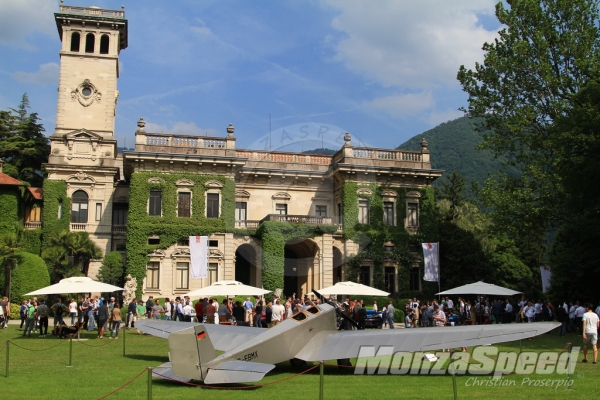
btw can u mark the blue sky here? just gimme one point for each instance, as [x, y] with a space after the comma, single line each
[382, 70]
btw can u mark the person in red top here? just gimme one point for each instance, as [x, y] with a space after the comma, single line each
[199, 311]
[210, 312]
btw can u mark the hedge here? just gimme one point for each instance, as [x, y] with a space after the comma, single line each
[10, 197]
[31, 274]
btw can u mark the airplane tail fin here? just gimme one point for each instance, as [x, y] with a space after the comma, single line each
[189, 350]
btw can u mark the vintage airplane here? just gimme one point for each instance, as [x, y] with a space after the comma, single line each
[311, 335]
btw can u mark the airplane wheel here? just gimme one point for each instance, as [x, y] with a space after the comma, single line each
[296, 362]
[344, 362]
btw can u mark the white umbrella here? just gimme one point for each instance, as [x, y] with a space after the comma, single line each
[352, 289]
[228, 288]
[76, 284]
[480, 288]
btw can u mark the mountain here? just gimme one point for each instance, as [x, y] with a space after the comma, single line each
[321, 150]
[453, 148]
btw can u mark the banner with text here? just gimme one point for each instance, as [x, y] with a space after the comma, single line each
[431, 256]
[546, 275]
[199, 256]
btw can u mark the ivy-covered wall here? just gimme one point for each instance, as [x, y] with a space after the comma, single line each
[31, 241]
[374, 235]
[169, 227]
[274, 236]
[55, 193]
[10, 197]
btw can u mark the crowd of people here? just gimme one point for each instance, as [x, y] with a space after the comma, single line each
[93, 314]
[208, 310]
[97, 314]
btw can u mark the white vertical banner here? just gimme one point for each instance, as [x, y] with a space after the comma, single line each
[431, 256]
[199, 256]
[546, 275]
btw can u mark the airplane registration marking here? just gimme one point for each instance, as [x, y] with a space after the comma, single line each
[249, 356]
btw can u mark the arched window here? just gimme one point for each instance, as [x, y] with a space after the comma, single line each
[90, 41]
[104, 44]
[75, 39]
[79, 207]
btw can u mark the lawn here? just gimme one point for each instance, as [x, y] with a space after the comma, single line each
[99, 367]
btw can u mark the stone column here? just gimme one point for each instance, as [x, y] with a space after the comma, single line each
[228, 256]
[326, 260]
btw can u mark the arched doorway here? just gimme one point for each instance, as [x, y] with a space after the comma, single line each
[300, 276]
[337, 265]
[245, 265]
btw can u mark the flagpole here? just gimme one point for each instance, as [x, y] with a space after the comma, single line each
[439, 271]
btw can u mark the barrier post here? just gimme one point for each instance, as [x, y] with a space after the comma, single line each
[453, 374]
[124, 336]
[70, 352]
[569, 346]
[7, 357]
[321, 379]
[149, 383]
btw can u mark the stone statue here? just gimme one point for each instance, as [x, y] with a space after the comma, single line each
[130, 288]
[278, 293]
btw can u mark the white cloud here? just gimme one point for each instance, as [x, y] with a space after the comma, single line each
[19, 19]
[181, 128]
[46, 74]
[402, 105]
[437, 117]
[410, 44]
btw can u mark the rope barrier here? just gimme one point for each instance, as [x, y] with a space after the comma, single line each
[3, 346]
[25, 348]
[122, 386]
[236, 387]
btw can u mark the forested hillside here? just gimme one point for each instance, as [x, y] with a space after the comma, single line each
[453, 148]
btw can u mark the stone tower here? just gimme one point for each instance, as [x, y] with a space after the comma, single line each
[83, 148]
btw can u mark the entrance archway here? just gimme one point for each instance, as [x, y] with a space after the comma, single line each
[337, 265]
[299, 275]
[245, 265]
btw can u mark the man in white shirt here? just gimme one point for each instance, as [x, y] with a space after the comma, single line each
[450, 304]
[248, 306]
[591, 323]
[579, 317]
[277, 311]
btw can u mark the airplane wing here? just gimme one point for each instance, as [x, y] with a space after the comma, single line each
[223, 337]
[331, 345]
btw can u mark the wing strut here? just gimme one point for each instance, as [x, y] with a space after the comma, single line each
[338, 310]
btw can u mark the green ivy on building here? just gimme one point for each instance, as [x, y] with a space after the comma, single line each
[168, 227]
[55, 202]
[373, 236]
[274, 235]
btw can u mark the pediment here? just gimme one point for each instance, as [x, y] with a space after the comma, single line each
[80, 177]
[364, 191]
[282, 196]
[181, 252]
[82, 134]
[242, 194]
[413, 194]
[184, 182]
[157, 253]
[389, 193]
[213, 184]
[214, 253]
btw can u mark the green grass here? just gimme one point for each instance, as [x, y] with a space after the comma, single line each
[99, 370]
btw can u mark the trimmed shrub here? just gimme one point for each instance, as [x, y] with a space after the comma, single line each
[31, 274]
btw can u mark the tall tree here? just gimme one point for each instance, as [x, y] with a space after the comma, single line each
[9, 247]
[453, 190]
[548, 50]
[23, 145]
